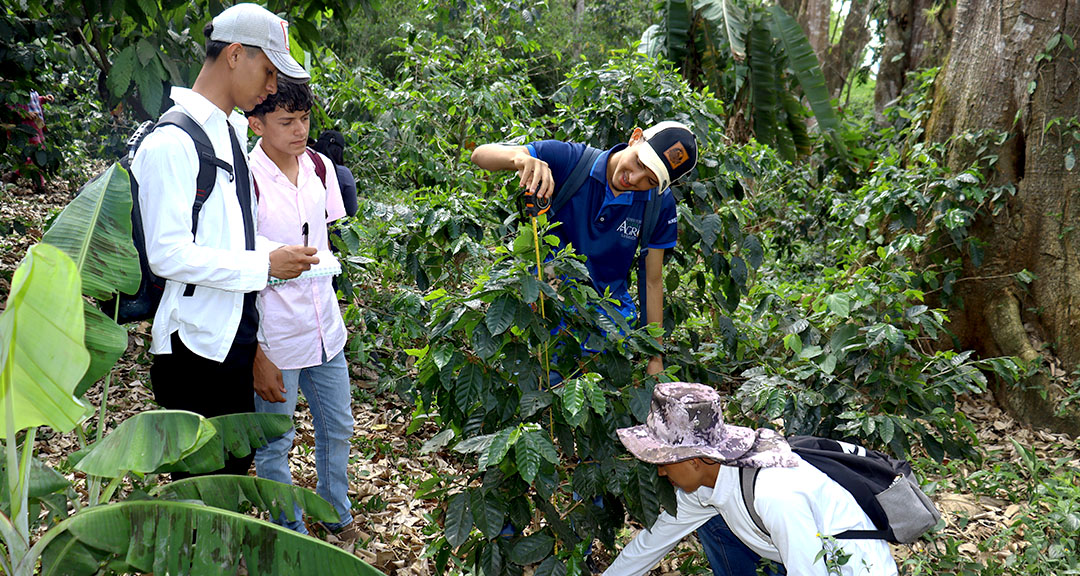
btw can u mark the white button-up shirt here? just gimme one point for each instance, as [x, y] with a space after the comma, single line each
[216, 261]
[795, 504]
[301, 320]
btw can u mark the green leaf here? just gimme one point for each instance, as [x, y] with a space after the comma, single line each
[151, 90]
[534, 401]
[644, 481]
[596, 395]
[147, 442]
[158, 536]
[500, 445]
[551, 566]
[123, 67]
[501, 314]
[808, 71]
[839, 304]
[66, 556]
[470, 384]
[573, 396]
[106, 342]
[95, 231]
[488, 511]
[237, 435]
[145, 50]
[677, 35]
[532, 549]
[43, 482]
[483, 343]
[754, 253]
[42, 355]
[238, 493]
[527, 451]
[459, 521]
[735, 27]
[763, 84]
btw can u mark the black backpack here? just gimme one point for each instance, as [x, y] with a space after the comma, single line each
[885, 488]
[144, 303]
[648, 222]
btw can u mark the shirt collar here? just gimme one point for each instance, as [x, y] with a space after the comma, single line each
[203, 110]
[260, 159]
[599, 173]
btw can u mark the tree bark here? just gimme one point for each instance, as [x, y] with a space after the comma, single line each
[814, 19]
[996, 81]
[845, 54]
[916, 35]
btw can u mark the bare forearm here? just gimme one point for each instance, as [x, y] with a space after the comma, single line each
[497, 157]
[654, 299]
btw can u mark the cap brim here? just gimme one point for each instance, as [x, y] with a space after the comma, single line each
[287, 66]
[652, 161]
[647, 448]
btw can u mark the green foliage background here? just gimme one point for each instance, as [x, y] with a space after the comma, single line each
[793, 289]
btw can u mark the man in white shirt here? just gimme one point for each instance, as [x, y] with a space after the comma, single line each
[204, 332]
[686, 437]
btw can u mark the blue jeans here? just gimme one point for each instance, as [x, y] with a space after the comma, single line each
[727, 555]
[326, 388]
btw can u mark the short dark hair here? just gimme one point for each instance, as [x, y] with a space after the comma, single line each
[213, 47]
[292, 96]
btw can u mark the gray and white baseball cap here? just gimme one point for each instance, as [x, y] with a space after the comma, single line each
[254, 25]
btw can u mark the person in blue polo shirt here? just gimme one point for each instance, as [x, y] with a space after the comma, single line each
[604, 216]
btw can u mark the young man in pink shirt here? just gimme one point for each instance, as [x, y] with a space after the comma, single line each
[302, 335]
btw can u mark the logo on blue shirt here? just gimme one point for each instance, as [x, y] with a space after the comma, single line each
[630, 228]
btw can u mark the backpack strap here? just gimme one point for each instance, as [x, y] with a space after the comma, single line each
[320, 166]
[577, 177]
[208, 166]
[648, 226]
[748, 482]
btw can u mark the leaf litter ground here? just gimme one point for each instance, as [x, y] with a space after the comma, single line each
[386, 466]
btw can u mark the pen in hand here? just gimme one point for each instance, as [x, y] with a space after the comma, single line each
[304, 231]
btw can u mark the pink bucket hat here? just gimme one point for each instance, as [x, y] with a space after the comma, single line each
[686, 421]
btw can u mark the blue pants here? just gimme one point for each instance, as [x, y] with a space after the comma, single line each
[727, 555]
[326, 388]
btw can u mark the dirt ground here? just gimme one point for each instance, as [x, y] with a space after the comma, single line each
[387, 467]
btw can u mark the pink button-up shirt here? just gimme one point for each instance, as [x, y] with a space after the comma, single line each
[301, 320]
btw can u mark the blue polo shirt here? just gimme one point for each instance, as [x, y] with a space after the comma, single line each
[600, 225]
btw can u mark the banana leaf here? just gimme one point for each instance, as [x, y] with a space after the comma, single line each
[147, 442]
[166, 537]
[730, 19]
[43, 482]
[237, 493]
[807, 70]
[237, 435]
[679, 21]
[95, 231]
[106, 342]
[763, 84]
[652, 42]
[42, 354]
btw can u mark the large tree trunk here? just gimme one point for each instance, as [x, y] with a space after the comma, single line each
[995, 80]
[917, 35]
[813, 16]
[845, 54]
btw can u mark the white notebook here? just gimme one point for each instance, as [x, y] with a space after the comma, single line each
[328, 266]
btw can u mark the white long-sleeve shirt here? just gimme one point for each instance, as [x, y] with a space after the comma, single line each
[216, 261]
[795, 504]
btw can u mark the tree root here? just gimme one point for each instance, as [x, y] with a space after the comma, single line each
[1033, 400]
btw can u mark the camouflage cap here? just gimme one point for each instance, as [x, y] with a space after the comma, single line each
[686, 421]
